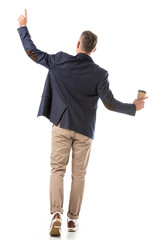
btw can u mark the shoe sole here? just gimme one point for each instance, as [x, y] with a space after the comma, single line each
[72, 229]
[56, 228]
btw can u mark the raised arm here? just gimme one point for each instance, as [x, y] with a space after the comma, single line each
[112, 104]
[31, 50]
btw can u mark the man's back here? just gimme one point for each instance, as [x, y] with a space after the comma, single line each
[72, 84]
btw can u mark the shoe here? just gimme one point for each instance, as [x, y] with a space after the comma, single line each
[72, 225]
[56, 222]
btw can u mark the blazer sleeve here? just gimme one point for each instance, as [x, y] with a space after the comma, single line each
[110, 102]
[31, 50]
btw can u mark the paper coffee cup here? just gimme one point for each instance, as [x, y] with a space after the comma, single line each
[141, 94]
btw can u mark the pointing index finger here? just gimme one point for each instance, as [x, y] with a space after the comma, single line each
[25, 12]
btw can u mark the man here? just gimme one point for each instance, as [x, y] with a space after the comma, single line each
[69, 100]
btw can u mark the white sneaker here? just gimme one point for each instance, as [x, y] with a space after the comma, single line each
[56, 222]
[72, 224]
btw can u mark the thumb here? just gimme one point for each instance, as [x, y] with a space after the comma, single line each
[145, 98]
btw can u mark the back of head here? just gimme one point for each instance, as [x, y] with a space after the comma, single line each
[88, 41]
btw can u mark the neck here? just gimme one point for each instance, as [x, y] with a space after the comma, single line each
[81, 51]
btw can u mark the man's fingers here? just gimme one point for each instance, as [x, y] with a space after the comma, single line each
[25, 13]
[21, 17]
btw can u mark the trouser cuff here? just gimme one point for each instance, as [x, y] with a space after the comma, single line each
[56, 209]
[71, 216]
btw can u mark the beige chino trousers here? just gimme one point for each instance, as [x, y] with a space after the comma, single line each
[63, 140]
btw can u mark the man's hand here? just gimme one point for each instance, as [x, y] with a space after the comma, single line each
[139, 103]
[23, 19]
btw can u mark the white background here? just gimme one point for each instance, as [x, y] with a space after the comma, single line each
[122, 192]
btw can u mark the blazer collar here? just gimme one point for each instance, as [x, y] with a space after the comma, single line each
[83, 55]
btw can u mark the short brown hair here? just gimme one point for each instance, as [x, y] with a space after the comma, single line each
[88, 41]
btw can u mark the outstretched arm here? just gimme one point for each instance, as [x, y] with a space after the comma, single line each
[112, 104]
[31, 50]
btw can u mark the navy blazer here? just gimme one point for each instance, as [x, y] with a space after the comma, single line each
[72, 88]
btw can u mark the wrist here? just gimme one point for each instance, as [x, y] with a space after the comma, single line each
[22, 25]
